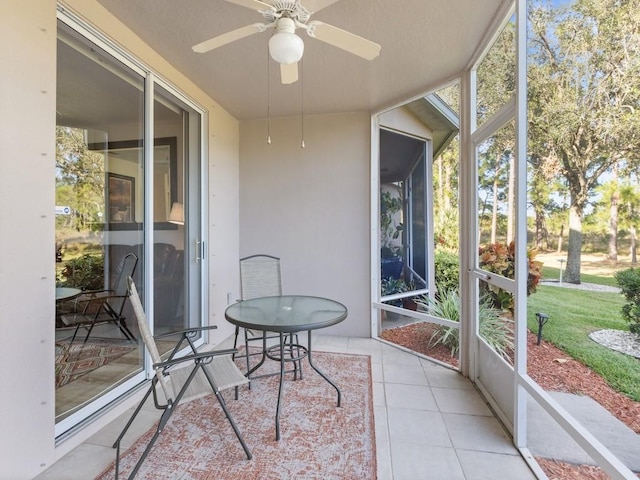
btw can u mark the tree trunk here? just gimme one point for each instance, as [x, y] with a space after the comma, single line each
[441, 193]
[613, 216]
[541, 231]
[634, 259]
[560, 239]
[447, 186]
[572, 273]
[494, 214]
[511, 200]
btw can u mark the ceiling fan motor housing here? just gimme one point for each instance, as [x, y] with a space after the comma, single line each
[289, 9]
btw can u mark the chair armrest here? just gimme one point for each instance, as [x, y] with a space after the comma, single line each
[194, 356]
[187, 331]
[90, 294]
[91, 298]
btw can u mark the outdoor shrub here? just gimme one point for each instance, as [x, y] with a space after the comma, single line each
[392, 286]
[85, 272]
[494, 329]
[447, 271]
[500, 258]
[390, 226]
[629, 282]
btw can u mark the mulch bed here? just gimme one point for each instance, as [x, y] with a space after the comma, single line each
[553, 370]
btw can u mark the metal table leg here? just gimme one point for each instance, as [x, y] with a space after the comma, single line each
[280, 386]
[319, 372]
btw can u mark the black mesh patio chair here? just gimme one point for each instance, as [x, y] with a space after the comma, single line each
[180, 379]
[104, 306]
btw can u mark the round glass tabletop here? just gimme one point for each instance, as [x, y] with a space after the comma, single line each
[66, 293]
[286, 313]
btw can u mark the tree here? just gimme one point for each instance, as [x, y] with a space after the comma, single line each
[629, 210]
[583, 97]
[446, 170]
[80, 179]
[496, 85]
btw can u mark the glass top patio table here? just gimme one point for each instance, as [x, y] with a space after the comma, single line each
[286, 313]
[67, 293]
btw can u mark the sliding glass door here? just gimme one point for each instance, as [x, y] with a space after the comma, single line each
[128, 176]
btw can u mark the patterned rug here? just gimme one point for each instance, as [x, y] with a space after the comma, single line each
[74, 362]
[318, 440]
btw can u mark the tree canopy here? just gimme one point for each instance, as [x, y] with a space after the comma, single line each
[584, 61]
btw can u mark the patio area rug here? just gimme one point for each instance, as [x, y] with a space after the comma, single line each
[72, 363]
[318, 440]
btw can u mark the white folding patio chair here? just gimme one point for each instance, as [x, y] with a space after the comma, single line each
[202, 373]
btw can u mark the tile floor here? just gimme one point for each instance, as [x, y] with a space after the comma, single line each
[430, 424]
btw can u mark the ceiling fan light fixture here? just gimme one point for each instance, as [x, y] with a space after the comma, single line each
[285, 46]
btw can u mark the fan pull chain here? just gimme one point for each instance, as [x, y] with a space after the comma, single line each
[268, 99]
[301, 104]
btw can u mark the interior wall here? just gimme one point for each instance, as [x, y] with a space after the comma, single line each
[27, 197]
[310, 207]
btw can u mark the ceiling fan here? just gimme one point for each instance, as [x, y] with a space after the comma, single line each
[285, 47]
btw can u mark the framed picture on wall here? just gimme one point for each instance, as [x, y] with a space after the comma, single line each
[121, 198]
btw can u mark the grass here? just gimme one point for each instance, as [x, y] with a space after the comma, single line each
[553, 273]
[573, 314]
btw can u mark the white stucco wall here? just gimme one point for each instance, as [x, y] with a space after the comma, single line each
[27, 264]
[27, 161]
[403, 120]
[310, 207]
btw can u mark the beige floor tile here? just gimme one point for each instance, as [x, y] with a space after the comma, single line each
[451, 400]
[486, 434]
[420, 462]
[410, 396]
[421, 427]
[405, 374]
[491, 466]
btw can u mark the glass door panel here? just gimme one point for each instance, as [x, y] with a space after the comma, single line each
[99, 221]
[176, 210]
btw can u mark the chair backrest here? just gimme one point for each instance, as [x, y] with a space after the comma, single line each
[147, 337]
[260, 277]
[120, 287]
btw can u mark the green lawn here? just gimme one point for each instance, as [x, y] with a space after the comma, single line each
[573, 314]
[552, 273]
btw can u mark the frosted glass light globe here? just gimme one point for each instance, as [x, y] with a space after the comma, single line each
[285, 46]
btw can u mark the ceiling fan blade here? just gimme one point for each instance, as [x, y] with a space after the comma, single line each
[228, 37]
[289, 73]
[345, 40]
[316, 5]
[253, 4]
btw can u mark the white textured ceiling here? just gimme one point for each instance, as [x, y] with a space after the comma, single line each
[424, 42]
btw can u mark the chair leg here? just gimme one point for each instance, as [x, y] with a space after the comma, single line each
[88, 333]
[163, 421]
[235, 346]
[233, 424]
[122, 325]
[75, 333]
[235, 342]
[116, 445]
[223, 405]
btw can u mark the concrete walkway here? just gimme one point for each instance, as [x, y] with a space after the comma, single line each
[546, 439]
